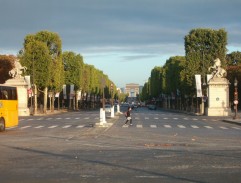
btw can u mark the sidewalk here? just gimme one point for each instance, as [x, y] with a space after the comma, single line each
[230, 119]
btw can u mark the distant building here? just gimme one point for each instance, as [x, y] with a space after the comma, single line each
[132, 90]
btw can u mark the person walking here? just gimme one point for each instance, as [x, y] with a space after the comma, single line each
[128, 116]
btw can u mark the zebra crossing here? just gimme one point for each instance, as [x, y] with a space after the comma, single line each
[51, 127]
[180, 126]
[140, 123]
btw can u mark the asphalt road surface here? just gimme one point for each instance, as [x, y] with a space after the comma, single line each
[161, 146]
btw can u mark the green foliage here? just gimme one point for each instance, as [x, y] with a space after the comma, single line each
[155, 84]
[173, 68]
[73, 69]
[42, 55]
[202, 46]
[38, 60]
[6, 64]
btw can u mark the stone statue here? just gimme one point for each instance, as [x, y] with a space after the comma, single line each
[217, 70]
[17, 70]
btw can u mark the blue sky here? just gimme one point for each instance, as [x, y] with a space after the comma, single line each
[125, 39]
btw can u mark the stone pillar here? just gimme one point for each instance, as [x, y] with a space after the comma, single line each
[218, 97]
[22, 90]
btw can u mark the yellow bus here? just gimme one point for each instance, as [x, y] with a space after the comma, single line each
[8, 107]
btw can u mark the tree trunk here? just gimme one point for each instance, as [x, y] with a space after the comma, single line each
[45, 99]
[76, 100]
[35, 100]
[52, 103]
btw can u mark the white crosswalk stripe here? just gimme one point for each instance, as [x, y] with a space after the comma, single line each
[181, 126]
[24, 127]
[39, 127]
[153, 126]
[66, 126]
[237, 128]
[53, 126]
[222, 127]
[208, 127]
[156, 118]
[167, 126]
[139, 126]
[194, 126]
[80, 126]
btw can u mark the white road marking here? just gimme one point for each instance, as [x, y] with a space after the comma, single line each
[165, 118]
[67, 118]
[24, 127]
[209, 127]
[237, 128]
[87, 118]
[156, 118]
[58, 118]
[167, 126]
[222, 127]
[39, 127]
[194, 126]
[181, 126]
[139, 126]
[175, 118]
[53, 126]
[66, 126]
[146, 117]
[80, 126]
[153, 126]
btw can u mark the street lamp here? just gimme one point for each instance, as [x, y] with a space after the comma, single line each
[235, 98]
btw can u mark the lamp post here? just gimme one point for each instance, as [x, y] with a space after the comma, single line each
[235, 98]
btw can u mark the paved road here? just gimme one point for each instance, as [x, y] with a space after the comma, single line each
[159, 147]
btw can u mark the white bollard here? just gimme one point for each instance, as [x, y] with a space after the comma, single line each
[118, 108]
[112, 115]
[102, 116]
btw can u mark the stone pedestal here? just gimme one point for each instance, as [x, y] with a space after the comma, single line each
[22, 88]
[218, 97]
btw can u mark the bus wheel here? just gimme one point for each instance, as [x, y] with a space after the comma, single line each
[2, 124]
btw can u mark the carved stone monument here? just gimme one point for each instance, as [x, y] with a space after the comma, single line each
[218, 91]
[22, 87]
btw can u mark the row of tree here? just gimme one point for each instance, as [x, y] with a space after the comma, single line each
[176, 78]
[50, 68]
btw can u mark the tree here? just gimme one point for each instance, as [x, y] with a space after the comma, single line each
[37, 59]
[173, 67]
[73, 71]
[42, 54]
[6, 64]
[155, 84]
[202, 46]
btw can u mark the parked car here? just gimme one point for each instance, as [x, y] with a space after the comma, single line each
[107, 108]
[152, 107]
